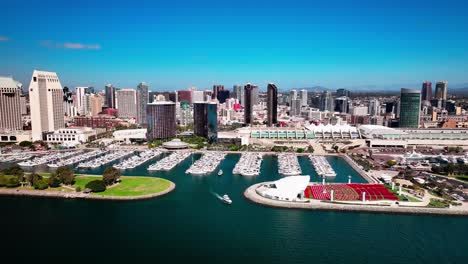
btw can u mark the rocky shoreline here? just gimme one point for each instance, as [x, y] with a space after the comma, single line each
[89, 196]
[251, 194]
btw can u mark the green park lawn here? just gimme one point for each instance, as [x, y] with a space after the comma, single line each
[129, 186]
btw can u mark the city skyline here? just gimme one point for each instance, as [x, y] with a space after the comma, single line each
[176, 46]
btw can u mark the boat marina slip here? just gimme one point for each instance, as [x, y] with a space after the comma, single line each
[77, 159]
[206, 164]
[248, 164]
[106, 159]
[288, 165]
[47, 158]
[321, 166]
[15, 157]
[169, 162]
[137, 160]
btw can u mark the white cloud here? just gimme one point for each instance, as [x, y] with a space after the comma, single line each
[4, 39]
[70, 45]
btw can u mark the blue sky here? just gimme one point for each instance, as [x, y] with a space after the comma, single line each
[177, 44]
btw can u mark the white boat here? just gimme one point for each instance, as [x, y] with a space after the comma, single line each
[220, 172]
[226, 199]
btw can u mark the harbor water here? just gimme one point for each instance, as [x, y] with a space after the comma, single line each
[192, 225]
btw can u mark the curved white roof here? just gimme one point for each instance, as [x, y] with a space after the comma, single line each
[320, 128]
[289, 187]
[371, 131]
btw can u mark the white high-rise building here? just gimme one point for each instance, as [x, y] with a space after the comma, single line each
[125, 101]
[46, 103]
[304, 97]
[198, 96]
[374, 107]
[10, 104]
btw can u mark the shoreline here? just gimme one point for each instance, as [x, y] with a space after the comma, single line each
[84, 196]
[251, 195]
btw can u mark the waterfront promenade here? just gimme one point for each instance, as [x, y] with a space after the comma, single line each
[251, 194]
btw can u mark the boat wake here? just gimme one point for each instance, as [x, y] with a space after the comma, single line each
[216, 195]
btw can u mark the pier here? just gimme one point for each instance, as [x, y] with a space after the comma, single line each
[207, 164]
[248, 164]
[322, 166]
[169, 162]
[288, 165]
[77, 159]
[137, 160]
[106, 159]
[51, 157]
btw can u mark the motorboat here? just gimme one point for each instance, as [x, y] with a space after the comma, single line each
[226, 199]
[220, 172]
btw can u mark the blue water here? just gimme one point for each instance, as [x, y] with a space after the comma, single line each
[190, 225]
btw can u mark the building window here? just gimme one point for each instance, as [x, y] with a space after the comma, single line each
[34, 79]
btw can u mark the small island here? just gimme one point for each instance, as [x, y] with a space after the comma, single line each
[64, 183]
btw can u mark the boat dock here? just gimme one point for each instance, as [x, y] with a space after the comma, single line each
[51, 157]
[106, 159]
[248, 164]
[288, 165]
[322, 166]
[136, 160]
[206, 164]
[77, 159]
[169, 162]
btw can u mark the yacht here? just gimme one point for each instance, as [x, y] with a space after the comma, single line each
[220, 172]
[226, 199]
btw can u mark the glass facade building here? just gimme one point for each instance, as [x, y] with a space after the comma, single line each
[410, 105]
[161, 120]
[205, 120]
[272, 104]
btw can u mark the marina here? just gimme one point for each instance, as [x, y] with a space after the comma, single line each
[169, 162]
[76, 159]
[322, 166]
[48, 158]
[248, 164]
[15, 157]
[288, 165]
[106, 159]
[206, 164]
[137, 160]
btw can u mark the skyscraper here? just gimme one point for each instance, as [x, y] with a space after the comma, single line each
[441, 90]
[239, 93]
[46, 101]
[248, 99]
[223, 95]
[374, 107]
[10, 104]
[161, 120]
[142, 101]
[304, 97]
[110, 96]
[295, 108]
[185, 95]
[292, 96]
[341, 104]
[205, 120]
[216, 89]
[410, 105]
[255, 92]
[426, 91]
[343, 92]
[94, 104]
[125, 101]
[326, 101]
[272, 104]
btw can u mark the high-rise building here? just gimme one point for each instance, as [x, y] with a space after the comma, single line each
[326, 101]
[223, 95]
[185, 114]
[205, 120]
[46, 101]
[341, 104]
[10, 104]
[185, 95]
[24, 105]
[68, 105]
[198, 96]
[441, 90]
[239, 93]
[255, 92]
[374, 107]
[110, 96]
[216, 89]
[142, 101]
[95, 104]
[272, 104]
[426, 91]
[295, 108]
[343, 92]
[248, 99]
[82, 101]
[304, 97]
[292, 96]
[125, 101]
[161, 120]
[410, 105]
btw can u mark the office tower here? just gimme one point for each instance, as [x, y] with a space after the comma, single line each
[255, 92]
[68, 104]
[410, 105]
[125, 102]
[441, 90]
[295, 108]
[95, 104]
[390, 107]
[205, 120]
[292, 96]
[426, 91]
[10, 105]
[198, 96]
[223, 95]
[142, 101]
[272, 104]
[185, 95]
[326, 101]
[82, 102]
[216, 89]
[161, 120]
[360, 111]
[24, 105]
[374, 107]
[110, 96]
[239, 93]
[248, 99]
[185, 114]
[304, 97]
[46, 103]
[341, 104]
[450, 106]
[343, 92]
